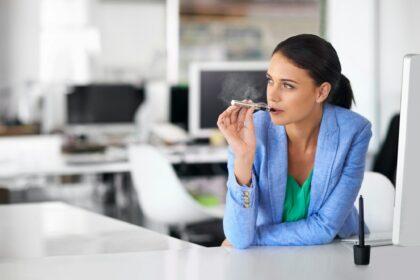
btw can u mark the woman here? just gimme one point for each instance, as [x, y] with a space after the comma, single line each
[294, 173]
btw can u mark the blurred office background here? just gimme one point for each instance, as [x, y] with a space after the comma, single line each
[92, 89]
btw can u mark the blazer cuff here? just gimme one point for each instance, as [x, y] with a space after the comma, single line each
[242, 194]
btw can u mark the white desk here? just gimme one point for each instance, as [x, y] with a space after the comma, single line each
[57, 241]
[41, 156]
[195, 154]
[60, 168]
[52, 229]
[326, 262]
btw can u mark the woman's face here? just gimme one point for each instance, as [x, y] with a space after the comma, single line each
[291, 91]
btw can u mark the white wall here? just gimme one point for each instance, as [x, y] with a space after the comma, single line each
[132, 39]
[4, 59]
[23, 40]
[172, 41]
[352, 30]
[399, 35]
[103, 40]
[372, 38]
[4, 47]
[67, 41]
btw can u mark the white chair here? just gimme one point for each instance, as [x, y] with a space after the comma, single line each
[161, 195]
[378, 196]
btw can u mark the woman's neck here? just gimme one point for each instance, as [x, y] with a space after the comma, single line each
[303, 134]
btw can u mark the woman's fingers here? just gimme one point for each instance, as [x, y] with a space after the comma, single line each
[234, 115]
[241, 118]
[249, 118]
[242, 114]
[234, 118]
[225, 123]
[220, 122]
[231, 125]
[227, 116]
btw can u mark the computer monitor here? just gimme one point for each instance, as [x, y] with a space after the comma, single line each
[178, 105]
[214, 84]
[406, 228]
[106, 106]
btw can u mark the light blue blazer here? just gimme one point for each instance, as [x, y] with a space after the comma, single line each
[253, 215]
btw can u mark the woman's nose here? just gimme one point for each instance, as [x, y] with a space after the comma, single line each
[273, 96]
[275, 100]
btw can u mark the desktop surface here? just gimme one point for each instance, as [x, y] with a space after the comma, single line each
[372, 239]
[38, 230]
[55, 240]
[333, 261]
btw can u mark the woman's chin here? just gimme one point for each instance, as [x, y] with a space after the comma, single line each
[278, 120]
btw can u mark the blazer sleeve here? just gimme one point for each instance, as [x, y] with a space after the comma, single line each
[241, 208]
[322, 226]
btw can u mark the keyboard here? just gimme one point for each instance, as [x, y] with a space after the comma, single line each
[372, 239]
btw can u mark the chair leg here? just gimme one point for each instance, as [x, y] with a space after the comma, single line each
[174, 232]
[4, 196]
[178, 231]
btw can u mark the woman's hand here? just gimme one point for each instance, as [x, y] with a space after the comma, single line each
[237, 126]
[226, 244]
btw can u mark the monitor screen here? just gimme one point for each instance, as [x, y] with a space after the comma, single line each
[103, 104]
[178, 105]
[213, 86]
[218, 88]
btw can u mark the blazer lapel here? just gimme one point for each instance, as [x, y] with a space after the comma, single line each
[277, 165]
[327, 144]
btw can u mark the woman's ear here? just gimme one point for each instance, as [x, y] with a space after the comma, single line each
[323, 92]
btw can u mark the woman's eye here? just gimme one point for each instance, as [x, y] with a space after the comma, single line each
[269, 81]
[288, 86]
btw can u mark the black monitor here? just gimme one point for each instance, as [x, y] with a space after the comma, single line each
[103, 104]
[178, 105]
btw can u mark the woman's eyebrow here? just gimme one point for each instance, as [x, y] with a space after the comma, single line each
[288, 80]
[282, 80]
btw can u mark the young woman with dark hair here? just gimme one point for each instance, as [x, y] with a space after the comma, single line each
[295, 172]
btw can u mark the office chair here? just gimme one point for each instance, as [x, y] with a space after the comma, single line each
[161, 195]
[378, 193]
[385, 161]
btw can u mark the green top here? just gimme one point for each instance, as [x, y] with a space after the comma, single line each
[296, 202]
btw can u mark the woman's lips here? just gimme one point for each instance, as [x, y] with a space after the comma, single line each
[276, 111]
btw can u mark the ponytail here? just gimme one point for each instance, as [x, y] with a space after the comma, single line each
[342, 95]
